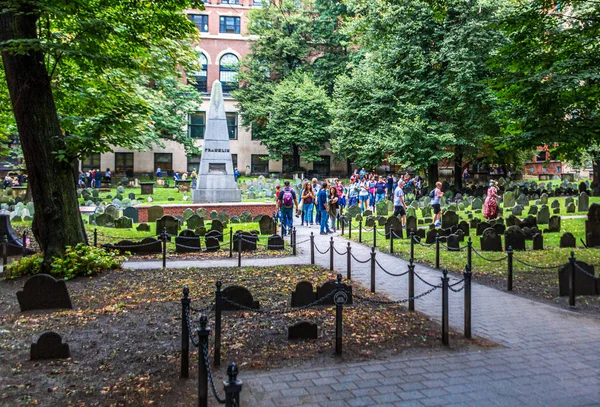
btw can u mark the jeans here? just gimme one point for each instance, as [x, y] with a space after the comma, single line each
[353, 200]
[363, 202]
[308, 213]
[287, 220]
[379, 197]
[323, 225]
[333, 220]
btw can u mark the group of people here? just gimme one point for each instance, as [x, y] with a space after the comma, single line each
[15, 181]
[93, 178]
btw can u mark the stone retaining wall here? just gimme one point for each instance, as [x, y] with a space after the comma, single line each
[254, 208]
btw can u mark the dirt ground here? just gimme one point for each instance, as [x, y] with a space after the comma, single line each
[125, 335]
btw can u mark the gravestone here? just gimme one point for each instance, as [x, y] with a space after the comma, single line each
[430, 235]
[49, 346]
[592, 226]
[533, 210]
[214, 215]
[143, 227]
[569, 200]
[168, 222]
[381, 220]
[490, 241]
[529, 222]
[368, 213]
[499, 227]
[131, 196]
[303, 295]
[248, 241]
[382, 208]
[154, 213]
[328, 287]
[411, 224]
[538, 241]
[246, 217]
[217, 225]
[449, 219]
[211, 240]
[188, 213]
[509, 199]
[303, 330]
[554, 224]
[555, 204]
[235, 219]
[104, 220]
[452, 243]
[477, 204]
[568, 240]
[370, 221]
[515, 238]
[481, 227]
[583, 204]
[543, 215]
[411, 211]
[239, 295]
[426, 211]
[275, 242]
[132, 213]
[517, 210]
[112, 210]
[570, 207]
[464, 226]
[584, 284]
[523, 200]
[202, 212]
[187, 242]
[124, 223]
[201, 231]
[394, 225]
[194, 222]
[43, 291]
[582, 187]
[353, 211]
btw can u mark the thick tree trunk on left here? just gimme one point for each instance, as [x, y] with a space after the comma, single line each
[596, 172]
[57, 222]
[458, 158]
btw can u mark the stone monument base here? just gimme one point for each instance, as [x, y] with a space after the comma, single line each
[216, 195]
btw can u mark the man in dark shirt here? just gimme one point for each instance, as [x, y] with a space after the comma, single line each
[380, 190]
[390, 186]
[286, 200]
[322, 208]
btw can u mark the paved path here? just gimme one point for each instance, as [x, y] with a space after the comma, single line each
[550, 356]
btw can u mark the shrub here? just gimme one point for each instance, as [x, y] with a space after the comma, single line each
[81, 260]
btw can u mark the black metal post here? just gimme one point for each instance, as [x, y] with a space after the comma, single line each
[312, 248]
[24, 239]
[349, 263]
[95, 237]
[509, 278]
[391, 241]
[233, 387]
[412, 245]
[572, 280]
[342, 222]
[331, 253]
[350, 227]
[467, 276]
[360, 231]
[230, 242]
[411, 286]
[372, 269]
[164, 248]
[437, 250]
[240, 250]
[203, 333]
[218, 323]
[185, 333]
[375, 234]
[339, 309]
[293, 239]
[445, 328]
[4, 251]
[470, 253]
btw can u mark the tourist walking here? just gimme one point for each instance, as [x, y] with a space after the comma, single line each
[332, 207]
[399, 204]
[308, 199]
[286, 201]
[380, 190]
[158, 173]
[490, 206]
[436, 196]
[322, 209]
[353, 191]
[363, 195]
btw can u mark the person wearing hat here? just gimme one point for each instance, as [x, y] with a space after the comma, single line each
[286, 201]
[490, 206]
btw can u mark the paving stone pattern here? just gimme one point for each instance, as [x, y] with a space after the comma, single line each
[549, 356]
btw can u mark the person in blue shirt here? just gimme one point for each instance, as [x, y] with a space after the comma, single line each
[236, 174]
[286, 201]
[322, 208]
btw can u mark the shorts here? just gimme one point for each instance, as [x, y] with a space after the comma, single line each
[436, 208]
[363, 197]
[399, 211]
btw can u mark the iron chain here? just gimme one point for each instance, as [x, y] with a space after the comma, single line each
[210, 376]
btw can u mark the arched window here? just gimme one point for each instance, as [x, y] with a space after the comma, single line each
[228, 68]
[201, 76]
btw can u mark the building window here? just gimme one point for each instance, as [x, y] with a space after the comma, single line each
[91, 162]
[197, 125]
[541, 157]
[123, 163]
[229, 25]
[193, 162]
[259, 164]
[228, 68]
[201, 21]
[322, 167]
[257, 3]
[234, 161]
[230, 1]
[164, 161]
[201, 75]
[232, 125]
[288, 163]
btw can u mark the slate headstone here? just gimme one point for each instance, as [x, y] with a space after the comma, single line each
[477, 204]
[554, 223]
[143, 227]
[194, 222]
[584, 284]
[112, 210]
[481, 227]
[43, 291]
[49, 346]
[490, 241]
[303, 330]
[104, 219]
[275, 242]
[169, 222]
[131, 213]
[515, 238]
[592, 226]
[583, 204]
[211, 240]
[217, 225]
[267, 225]
[394, 225]
[303, 295]
[187, 242]
[239, 295]
[453, 243]
[449, 219]
[154, 213]
[538, 241]
[509, 199]
[123, 223]
[568, 240]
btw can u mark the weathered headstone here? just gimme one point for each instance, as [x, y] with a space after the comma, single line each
[303, 330]
[382, 208]
[583, 204]
[131, 213]
[544, 199]
[303, 295]
[217, 225]
[168, 222]
[239, 295]
[533, 210]
[543, 215]
[568, 240]
[194, 222]
[481, 227]
[112, 210]
[43, 291]
[555, 204]
[477, 204]
[143, 227]
[154, 213]
[211, 240]
[275, 242]
[104, 219]
[188, 213]
[515, 238]
[453, 243]
[584, 284]
[411, 224]
[123, 223]
[393, 225]
[509, 199]
[517, 210]
[538, 241]
[554, 223]
[490, 241]
[248, 241]
[592, 226]
[449, 219]
[49, 346]
[570, 207]
[187, 242]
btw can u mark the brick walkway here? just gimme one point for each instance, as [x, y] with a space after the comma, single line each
[550, 356]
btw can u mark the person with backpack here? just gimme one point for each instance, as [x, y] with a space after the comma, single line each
[322, 209]
[399, 204]
[286, 201]
[436, 196]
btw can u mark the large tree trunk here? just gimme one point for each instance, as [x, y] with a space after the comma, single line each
[432, 175]
[596, 173]
[57, 222]
[458, 158]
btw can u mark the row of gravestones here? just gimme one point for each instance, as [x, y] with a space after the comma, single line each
[172, 224]
[515, 238]
[156, 212]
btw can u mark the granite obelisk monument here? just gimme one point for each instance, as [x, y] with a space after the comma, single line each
[216, 182]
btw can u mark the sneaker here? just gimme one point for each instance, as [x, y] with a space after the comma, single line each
[438, 224]
[323, 233]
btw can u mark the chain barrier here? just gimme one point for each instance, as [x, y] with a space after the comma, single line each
[453, 249]
[389, 273]
[584, 271]
[303, 241]
[379, 233]
[193, 339]
[490, 260]
[420, 243]
[535, 266]
[457, 290]
[381, 302]
[426, 282]
[275, 311]
[210, 376]
[119, 246]
[209, 308]
[341, 254]
[197, 248]
[325, 252]
[360, 261]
